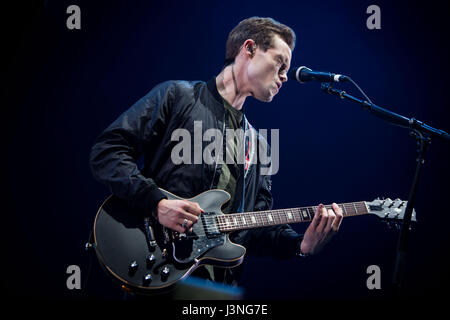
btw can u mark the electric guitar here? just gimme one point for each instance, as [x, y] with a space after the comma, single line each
[146, 257]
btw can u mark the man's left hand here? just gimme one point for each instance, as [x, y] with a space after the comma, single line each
[323, 227]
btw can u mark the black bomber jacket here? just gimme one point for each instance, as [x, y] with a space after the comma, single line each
[146, 130]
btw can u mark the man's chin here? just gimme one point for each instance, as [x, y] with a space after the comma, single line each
[265, 99]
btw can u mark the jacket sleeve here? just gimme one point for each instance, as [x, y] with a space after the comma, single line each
[115, 152]
[281, 241]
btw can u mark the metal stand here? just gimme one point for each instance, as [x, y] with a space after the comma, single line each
[422, 134]
[400, 262]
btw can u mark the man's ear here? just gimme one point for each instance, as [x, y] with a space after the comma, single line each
[250, 47]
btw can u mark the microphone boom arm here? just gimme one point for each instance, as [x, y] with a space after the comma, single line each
[387, 115]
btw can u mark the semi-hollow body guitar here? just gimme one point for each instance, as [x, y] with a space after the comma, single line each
[146, 257]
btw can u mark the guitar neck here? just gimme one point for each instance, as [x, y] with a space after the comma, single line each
[257, 219]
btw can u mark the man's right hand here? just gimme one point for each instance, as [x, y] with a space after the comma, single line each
[172, 214]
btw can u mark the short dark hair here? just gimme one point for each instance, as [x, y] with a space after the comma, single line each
[261, 30]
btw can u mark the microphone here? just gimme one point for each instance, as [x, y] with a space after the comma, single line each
[303, 74]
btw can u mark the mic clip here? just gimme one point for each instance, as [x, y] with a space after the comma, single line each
[328, 88]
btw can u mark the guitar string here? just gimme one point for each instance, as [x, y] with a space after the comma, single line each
[296, 211]
[261, 219]
[262, 216]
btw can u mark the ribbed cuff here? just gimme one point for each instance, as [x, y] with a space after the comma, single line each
[152, 200]
[299, 252]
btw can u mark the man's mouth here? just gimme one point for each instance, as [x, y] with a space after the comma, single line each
[278, 86]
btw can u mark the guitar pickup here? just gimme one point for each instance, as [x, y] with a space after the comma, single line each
[210, 226]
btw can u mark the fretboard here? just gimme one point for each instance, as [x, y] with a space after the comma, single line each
[256, 219]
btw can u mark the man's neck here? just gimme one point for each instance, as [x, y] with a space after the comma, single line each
[229, 87]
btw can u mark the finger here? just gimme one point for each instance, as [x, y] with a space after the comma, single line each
[316, 219]
[339, 217]
[185, 226]
[188, 216]
[331, 218]
[177, 227]
[192, 207]
[323, 220]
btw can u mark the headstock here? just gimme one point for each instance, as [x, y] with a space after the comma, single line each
[389, 210]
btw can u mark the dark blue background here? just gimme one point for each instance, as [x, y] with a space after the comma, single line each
[63, 87]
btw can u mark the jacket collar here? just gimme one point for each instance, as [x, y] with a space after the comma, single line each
[212, 87]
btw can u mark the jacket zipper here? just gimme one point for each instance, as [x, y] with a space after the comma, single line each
[215, 168]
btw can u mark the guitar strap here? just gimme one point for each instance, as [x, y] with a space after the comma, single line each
[244, 166]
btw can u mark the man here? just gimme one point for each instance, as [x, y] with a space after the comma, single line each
[258, 56]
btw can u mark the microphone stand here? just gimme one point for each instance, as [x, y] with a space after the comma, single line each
[423, 134]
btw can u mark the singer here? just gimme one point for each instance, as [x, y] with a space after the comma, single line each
[257, 60]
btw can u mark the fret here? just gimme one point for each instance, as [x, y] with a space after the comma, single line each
[219, 222]
[289, 214]
[305, 214]
[259, 219]
[347, 209]
[297, 216]
[247, 220]
[285, 219]
[311, 213]
[276, 218]
[263, 219]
